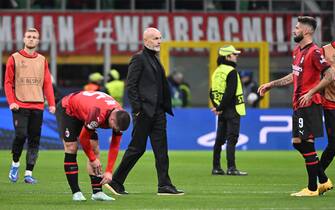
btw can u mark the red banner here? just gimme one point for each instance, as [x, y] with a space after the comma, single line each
[86, 33]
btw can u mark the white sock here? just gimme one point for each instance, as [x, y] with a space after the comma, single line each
[28, 173]
[17, 164]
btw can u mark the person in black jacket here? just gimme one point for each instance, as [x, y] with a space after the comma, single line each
[227, 97]
[149, 97]
[250, 87]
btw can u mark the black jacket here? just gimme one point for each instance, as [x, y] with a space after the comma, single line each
[228, 101]
[142, 84]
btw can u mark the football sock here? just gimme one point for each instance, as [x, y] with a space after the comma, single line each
[30, 167]
[321, 173]
[312, 164]
[16, 157]
[95, 182]
[297, 146]
[28, 173]
[15, 164]
[328, 154]
[71, 171]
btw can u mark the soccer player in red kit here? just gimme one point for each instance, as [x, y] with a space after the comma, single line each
[328, 103]
[27, 84]
[307, 66]
[79, 115]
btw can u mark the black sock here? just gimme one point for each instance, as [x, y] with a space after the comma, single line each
[71, 171]
[16, 157]
[312, 164]
[297, 146]
[95, 182]
[30, 167]
[328, 155]
[321, 173]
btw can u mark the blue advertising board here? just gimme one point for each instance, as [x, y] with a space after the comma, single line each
[189, 129]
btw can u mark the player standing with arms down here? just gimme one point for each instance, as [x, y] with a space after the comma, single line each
[308, 64]
[328, 104]
[78, 116]
[27, 81]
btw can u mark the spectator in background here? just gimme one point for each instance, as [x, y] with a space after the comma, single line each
[27, 82]
[258, 5]
[180, 90]
[115, 86]
[152, 5]
[186, 93]
[250, 87]
[189, 5]
[80, 4]
[94, 82]
[43, 4]
[175, 80]
[221, 5]
[57, 92]
[8, 4]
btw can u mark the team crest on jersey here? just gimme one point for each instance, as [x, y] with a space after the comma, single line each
[322, 59]
[92, 125]
[67, 133]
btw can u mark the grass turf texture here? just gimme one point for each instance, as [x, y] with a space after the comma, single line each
[273, 175]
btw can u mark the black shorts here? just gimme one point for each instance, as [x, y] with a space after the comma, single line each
[307, 122]
[330, 123]
[69, 128]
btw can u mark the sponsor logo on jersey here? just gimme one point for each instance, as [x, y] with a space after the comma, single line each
[296, 69]
[92, 125]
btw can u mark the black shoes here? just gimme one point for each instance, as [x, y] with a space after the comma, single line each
[169, 190]
[116, 188]
[217, 171]
[235, 172]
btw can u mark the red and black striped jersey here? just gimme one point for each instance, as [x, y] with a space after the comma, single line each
[329, 92]
[307, 67]
[91, 107]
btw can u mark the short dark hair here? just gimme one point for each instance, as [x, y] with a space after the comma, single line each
[122, 120]
[308, 20]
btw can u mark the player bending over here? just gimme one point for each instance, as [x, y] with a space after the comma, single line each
[79, 115]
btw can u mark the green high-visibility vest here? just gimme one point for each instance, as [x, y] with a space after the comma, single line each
[219, 83]
[115, 88]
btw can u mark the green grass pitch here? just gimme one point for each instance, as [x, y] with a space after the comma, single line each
[273, 175]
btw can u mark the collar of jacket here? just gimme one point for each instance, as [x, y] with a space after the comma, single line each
[229, 63]
[151, 52]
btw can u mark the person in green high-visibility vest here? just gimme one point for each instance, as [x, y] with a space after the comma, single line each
[115, 86]
[226, 94]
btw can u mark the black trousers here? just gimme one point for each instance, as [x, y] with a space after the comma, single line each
[228, 129]
[27, 124]
[144, 127]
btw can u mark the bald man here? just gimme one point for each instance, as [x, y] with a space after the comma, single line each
[150, 99]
